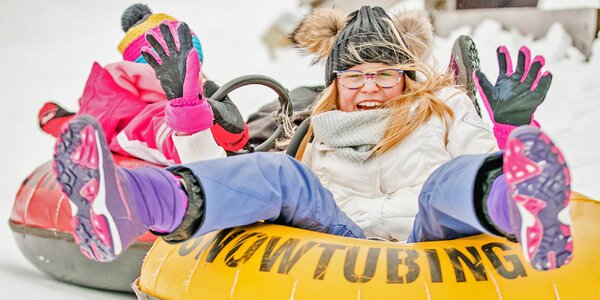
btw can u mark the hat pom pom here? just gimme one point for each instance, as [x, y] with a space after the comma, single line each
[416, 30]
[317, 33]
[133, 15]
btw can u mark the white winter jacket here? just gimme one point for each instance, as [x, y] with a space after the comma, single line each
[381, 194]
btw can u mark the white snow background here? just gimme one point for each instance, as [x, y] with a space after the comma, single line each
[47, 49]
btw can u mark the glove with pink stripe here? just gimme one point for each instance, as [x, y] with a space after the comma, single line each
[177, 67]
[512, 101]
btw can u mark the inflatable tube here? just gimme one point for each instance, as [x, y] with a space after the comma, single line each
[41, 225]
[266, 261]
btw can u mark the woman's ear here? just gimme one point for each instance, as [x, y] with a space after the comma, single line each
[316, 34]
[416, 31]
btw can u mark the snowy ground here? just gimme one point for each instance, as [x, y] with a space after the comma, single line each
[47, 48]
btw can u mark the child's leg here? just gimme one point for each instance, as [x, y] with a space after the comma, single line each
[113, 206]
[243, 189]
[446, 209]
[468, 195]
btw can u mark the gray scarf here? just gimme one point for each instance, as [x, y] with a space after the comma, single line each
[351, 134]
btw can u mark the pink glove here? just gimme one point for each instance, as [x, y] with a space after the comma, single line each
[177, 67]
[512, 101]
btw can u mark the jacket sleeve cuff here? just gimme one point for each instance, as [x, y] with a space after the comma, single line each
[198, 146]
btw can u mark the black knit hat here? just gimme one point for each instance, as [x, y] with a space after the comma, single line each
[366, 31]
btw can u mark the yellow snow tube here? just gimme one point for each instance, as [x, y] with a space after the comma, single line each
[266, 261]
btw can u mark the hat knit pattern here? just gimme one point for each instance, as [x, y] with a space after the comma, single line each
[367, 31]
[135, 36]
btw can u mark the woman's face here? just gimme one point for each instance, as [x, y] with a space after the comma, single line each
[370, 95]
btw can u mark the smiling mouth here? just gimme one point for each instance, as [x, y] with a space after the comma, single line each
[368, 105]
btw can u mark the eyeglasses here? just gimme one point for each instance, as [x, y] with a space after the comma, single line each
[354, 79]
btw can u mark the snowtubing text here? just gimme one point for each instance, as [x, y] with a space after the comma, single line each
[401, 263]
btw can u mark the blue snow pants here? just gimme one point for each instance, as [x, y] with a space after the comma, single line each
[244, 189]
[273, 187]
[446, 205]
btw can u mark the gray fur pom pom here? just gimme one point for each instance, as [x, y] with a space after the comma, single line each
[133, 15]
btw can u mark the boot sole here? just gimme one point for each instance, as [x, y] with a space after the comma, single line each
[466, 58]
[539, 184]
[85, 170]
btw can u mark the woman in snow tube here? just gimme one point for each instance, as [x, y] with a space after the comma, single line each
[396, 155]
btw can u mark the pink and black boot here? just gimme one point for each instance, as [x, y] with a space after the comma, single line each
[112, 206]
[52, 117]
[539, 181]
[464, 60]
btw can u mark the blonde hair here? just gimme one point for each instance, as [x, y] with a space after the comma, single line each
[415, 106]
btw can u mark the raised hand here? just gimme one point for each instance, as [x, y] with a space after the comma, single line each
[177, 67]
[516, 95]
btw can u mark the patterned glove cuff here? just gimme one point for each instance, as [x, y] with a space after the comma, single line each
[180, 102]
[501, 132]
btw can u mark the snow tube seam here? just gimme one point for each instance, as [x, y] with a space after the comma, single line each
[61, 235]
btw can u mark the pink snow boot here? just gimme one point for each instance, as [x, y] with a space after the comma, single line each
[539, 184]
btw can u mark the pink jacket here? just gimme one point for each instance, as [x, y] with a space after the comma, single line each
[129, 103]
